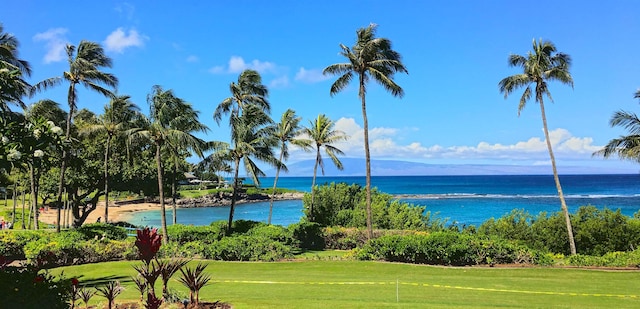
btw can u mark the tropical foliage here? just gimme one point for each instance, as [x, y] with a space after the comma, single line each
[322, 135]
[540, 66]
[626, 147]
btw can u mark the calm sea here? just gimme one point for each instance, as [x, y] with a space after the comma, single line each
[466, 200]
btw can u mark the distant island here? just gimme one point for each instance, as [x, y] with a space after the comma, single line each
[355, 167]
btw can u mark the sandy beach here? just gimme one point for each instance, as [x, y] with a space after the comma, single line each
[115, 212]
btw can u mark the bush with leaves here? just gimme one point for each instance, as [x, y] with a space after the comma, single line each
[30, 287]
[102, 230]
[447, 248]
[344, 205]
[12, 242]
[187, 233]
[248, 248]
[309, 235]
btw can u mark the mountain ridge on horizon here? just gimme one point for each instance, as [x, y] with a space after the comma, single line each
[356, 167]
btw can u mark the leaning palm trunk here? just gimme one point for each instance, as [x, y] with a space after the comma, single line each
[313, 186]
[563, 204]
[273, 193]
[234, 195]
[106, 180]
[173, 195]
[163, 215]
[365, 123]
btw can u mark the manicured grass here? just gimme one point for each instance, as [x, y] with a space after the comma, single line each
[356, 284]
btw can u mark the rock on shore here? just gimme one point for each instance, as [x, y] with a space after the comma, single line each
[224, 199]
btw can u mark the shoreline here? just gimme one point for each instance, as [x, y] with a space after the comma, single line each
[122, 209]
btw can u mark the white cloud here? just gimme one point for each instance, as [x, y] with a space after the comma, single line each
[118, 40]
[55, 43]
[384, 144]
[193, 58]
[237, 64]
[310, 76]
[280, 82]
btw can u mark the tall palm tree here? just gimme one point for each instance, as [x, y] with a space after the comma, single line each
[116, 120]
[86, 62]
[12, 71]
[539, 66]
[322, 134]
[286, 131]
[170, 122]
[626, 147]
[252, 140]
[249, 90]
[369, 58]
[179, 150]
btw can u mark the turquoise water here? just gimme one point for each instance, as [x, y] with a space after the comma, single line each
[466, 200]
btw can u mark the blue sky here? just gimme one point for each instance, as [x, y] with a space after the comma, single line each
[456, 53]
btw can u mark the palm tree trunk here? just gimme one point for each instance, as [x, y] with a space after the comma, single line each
[367, 156]
[233, 196]
[34, 198]
[63, 164]
[23, 205]
[313, 184]
[273, 194]
[163, 215]
[15, 201]
[173, 192]
[106, 180]
[563, 204]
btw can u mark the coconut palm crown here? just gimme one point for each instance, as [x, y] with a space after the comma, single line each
[626, 147]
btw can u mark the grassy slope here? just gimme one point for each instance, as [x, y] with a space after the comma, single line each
[353, 284]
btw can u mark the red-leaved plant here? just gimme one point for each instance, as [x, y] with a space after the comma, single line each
[148, 242]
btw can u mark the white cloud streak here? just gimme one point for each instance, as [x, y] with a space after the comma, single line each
[310, 76]
[117, 41]
[383, 144]
[55, 43]
[237, 64]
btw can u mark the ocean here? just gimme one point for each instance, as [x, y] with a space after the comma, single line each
[462, 200]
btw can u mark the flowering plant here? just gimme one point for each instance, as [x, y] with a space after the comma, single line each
[148, 242]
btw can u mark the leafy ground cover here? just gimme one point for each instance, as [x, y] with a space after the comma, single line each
[358, 284]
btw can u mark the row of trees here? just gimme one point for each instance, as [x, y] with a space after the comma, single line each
[169, 129]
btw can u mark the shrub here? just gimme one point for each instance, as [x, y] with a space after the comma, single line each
[55, 249]
[344, 205]
[102, 230]
[188, 233]
[308, 235]
[273, 232]
[248, 248]
[13, 242]
[28, 287]
[447, 248]
[192, 249]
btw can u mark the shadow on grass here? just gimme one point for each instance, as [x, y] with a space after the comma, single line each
[104, 280]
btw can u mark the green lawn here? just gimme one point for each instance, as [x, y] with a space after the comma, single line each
[354, 284]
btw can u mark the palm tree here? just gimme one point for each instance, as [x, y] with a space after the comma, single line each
[541, 65]
[625, 147]
[286, 131]
[249, 90]
[12, 71]
[323, 135]
[369, 58]
[170, 122]
[252, 139]
[85, 68]
[117, 118]
[179, 150]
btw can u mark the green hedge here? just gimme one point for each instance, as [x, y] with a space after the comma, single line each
[448, 248]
